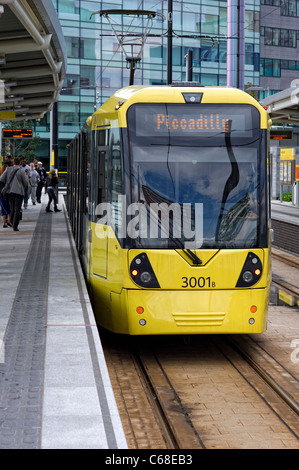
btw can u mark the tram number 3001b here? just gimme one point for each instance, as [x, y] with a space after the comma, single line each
[194, 282]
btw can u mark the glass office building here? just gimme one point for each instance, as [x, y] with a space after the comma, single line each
[279, 45]
[96, 65]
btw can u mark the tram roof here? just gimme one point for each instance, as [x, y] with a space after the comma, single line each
[174, 93]
[32, 58]
[125, 97]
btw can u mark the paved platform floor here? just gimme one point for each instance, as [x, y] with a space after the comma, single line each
[55, 391]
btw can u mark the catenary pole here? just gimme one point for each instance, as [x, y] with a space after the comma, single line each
[169, 44]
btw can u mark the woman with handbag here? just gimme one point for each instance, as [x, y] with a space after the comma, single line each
[16, 180]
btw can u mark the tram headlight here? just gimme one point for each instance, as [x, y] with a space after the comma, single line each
[251, 272]
[145, 277]
[247, 276]
[142, 272]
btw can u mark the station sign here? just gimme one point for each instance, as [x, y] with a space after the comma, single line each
[17, 133]
[279, 134]
[287, 166]
[7, 115]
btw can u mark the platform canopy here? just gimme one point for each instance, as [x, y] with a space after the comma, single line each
[32, 58]
[283, 107]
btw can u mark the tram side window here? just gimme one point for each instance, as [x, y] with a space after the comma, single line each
[103, 153]
[87, 163]
[101, 179]
[116, 178]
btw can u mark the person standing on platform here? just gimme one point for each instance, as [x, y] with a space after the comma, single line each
[18, 181]
[5, 213]
[4, 204]
[34, 179]
[43, 176]
[8, 162]
[25, 168]
[52, 185]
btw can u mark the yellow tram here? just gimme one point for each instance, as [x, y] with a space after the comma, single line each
[168, 198]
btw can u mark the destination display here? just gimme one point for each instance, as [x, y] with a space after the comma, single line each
[17, 133]
[193, 120]
[202, 122]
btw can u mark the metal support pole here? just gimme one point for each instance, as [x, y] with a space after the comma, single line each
[54, 160]
[189, 65]
[132, 71]
[235, 43]
[241, 44]
[232, 42]
[133, 64]
[169, 44]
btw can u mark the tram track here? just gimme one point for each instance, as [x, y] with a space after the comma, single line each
[174, 417]
[170, 436]
[282, 261]
[287, 258]
[266, 376]
[191, 404]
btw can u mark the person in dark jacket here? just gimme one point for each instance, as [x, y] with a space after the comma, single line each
[19, 181]
[52, 184]
[42, 182]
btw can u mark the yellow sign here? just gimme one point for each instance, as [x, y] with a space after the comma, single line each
[7, 114]
[288, 154]
[287, 298]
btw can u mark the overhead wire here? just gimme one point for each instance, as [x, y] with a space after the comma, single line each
[186, 7]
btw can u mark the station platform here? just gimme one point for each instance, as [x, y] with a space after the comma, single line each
[55, 391]
[285, 211]
[285, 225]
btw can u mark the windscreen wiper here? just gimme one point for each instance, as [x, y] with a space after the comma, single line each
[192, 256]
[233, 178]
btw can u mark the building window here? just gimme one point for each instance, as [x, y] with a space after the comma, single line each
[71, 85]
[68, 6]
[270, 67]
[280, 37]
[209, 24]
[68, 114]
[87, 77]
[289, 8]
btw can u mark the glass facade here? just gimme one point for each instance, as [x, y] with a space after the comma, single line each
[97, 66]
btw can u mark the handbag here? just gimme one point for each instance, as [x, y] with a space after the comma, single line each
[5, 191]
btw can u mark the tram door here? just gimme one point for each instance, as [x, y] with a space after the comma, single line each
[100, 243]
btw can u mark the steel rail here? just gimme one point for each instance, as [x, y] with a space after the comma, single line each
[286, 397]
[168, 434]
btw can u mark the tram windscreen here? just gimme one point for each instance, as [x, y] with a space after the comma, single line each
[195, 175]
